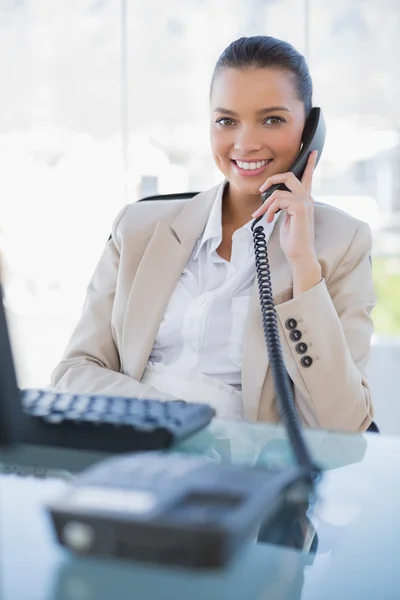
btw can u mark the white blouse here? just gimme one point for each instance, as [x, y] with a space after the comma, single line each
[203, 326]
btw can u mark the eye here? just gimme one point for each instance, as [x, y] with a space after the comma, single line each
[225, 121]
[274, 120]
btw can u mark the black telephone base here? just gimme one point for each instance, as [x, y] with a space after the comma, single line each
[172, 508]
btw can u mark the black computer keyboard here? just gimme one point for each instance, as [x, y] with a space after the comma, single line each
[108, 423]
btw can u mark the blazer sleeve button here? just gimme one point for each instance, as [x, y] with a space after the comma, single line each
[291, 324]
[301, 348]
[306, 361]
[295, 335]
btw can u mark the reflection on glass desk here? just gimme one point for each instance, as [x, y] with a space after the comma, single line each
[346, 546]
[237, 442]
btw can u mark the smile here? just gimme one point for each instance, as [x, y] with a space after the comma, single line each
[251, 168]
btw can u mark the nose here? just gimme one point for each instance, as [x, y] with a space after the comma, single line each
[247, 140]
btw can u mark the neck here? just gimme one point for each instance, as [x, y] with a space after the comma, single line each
[237, 208]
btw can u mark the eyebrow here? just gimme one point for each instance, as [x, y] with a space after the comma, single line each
[262, 111]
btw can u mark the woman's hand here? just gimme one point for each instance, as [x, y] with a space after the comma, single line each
[297, 237]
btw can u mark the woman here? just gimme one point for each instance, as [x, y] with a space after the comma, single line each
[172, 310]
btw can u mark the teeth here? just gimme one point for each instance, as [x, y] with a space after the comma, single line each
[250, 166]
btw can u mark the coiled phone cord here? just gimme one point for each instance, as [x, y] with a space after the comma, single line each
[282, 381]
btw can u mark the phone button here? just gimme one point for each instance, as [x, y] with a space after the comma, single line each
[295, 335]
[306, 361]
[301, 348]
[291, 324]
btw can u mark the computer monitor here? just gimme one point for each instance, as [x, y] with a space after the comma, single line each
[10, 403]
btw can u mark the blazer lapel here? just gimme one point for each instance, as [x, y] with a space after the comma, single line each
[255, 356]
[162, 264]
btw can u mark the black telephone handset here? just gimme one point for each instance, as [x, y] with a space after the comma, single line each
[313, 138]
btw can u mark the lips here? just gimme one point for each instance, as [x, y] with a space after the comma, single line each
[251, 165]
[251, 168]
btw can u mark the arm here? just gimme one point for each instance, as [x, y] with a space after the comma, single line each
[91, 362]
[335, 321]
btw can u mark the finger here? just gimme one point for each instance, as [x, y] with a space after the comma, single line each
[289, 179]
[265, 205]
[293, 207]
[306, 180]
[279, 204]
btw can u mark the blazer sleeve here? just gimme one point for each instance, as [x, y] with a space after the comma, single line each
[334, 320]
[91, 362]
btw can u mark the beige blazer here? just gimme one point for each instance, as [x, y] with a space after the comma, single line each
[139, 269]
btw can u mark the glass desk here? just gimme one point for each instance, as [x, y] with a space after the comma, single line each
[349, 550]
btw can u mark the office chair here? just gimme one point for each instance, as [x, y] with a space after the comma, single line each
[181, 196]
[373, 428]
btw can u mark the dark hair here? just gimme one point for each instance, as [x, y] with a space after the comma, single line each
[265, 52]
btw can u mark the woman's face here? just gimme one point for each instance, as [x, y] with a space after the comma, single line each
[256, 125]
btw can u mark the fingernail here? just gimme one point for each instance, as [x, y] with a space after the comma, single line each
[255, 214]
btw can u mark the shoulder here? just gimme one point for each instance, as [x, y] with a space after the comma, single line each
[341, 240]
[144, 216]
[338, 227]
[138, 220]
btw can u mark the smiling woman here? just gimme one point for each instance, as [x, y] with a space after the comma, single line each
[188, 268]
[260, 96]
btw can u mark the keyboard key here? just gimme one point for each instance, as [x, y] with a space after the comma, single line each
[29, 397]
[133, 421]
[154, 412]
[117, 406]
[136, 408]
[111, 418]
[99, 405]
[54, 418]
[63, 403]
[81, 403]
[43, 405]
[40, 411]
[72, 415]
[91, 417]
